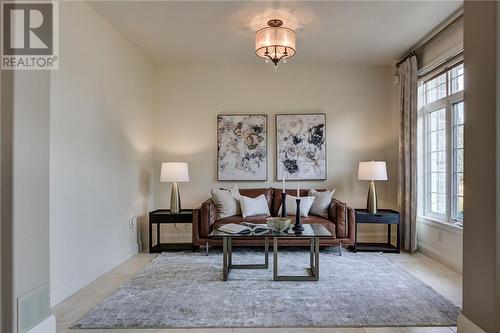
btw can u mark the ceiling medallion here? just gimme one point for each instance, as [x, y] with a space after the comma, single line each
[275, 43]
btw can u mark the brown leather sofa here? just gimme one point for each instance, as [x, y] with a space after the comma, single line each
[340, 221]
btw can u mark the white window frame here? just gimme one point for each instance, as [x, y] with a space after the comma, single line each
[454, 190]
[424, 111]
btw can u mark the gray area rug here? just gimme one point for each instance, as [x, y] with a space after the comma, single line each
[185, 290]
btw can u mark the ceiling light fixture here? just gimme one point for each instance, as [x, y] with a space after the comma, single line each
[275, 43]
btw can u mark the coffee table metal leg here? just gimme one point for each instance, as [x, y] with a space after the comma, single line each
[275, 258]
[229, 252]
[266, 252]
[316, 263]
[225, 270]
[313, 269]
[311, 254]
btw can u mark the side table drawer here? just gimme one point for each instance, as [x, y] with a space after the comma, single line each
[171, 218]
[362, 217]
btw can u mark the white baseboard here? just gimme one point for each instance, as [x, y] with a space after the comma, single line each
[46, 326]
[83, 279]
[465, 325]
[438, 256]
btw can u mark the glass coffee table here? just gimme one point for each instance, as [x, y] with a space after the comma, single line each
[313, 232]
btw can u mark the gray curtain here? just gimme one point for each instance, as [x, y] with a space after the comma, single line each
[407, 192]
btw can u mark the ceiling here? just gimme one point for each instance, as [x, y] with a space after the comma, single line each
[222, 32]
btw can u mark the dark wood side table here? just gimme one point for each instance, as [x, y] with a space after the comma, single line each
[383, 216]
[164, 216]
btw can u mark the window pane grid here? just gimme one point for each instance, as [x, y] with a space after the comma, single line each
[457, 84]
[439, 86]
[433, 86]
[457, 167]
[457, 71]
[434, 89]
[434, 131]
[436, 93]
[442, 86]
[456, 78]
[443, 144]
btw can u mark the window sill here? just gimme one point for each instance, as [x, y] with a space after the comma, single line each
[440, 225]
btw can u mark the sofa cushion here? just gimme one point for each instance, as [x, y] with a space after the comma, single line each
[322, 201]
[255, 192]
[227, 200]
[340, 215]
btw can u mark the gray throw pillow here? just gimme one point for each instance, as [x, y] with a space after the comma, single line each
[321, 202]
[227, 200]
[254, 206]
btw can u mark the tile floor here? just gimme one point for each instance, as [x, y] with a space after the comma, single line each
[443, 279]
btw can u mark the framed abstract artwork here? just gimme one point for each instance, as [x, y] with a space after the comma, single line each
[301, 146]
[242, 147]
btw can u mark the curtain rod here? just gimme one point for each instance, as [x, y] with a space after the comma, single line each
[445, 25]
[406, 57]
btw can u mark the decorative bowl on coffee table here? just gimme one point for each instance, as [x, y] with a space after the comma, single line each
[278, 224]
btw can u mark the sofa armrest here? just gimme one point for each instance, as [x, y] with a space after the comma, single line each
[209, 215]
[343, 217]
[351, 228]
[196, 225]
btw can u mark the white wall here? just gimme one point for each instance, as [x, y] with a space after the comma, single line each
[101, 149]
[362, 121]
[31, 181]
[25, 191]
[481, 135]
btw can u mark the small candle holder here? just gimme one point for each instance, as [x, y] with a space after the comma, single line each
[297, 227]
[283, 204]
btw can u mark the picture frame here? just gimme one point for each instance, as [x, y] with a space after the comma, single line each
[242, 147]
[301, 146]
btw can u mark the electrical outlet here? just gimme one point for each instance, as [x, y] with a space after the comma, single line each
[132, 221]
[440, 236]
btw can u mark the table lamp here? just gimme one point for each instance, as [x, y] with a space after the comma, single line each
[374, 170]
[174, 172]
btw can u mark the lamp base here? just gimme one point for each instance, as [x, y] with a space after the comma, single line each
[175, 199]
[371, 201]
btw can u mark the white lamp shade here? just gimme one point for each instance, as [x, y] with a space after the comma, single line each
[275, 40]
[374, 170]
[174, 172]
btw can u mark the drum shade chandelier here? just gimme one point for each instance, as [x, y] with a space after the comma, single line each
[275, 43]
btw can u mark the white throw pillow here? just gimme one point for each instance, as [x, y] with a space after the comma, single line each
[254, 206]
[291, 205]
[227, 200]
[322, 201]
